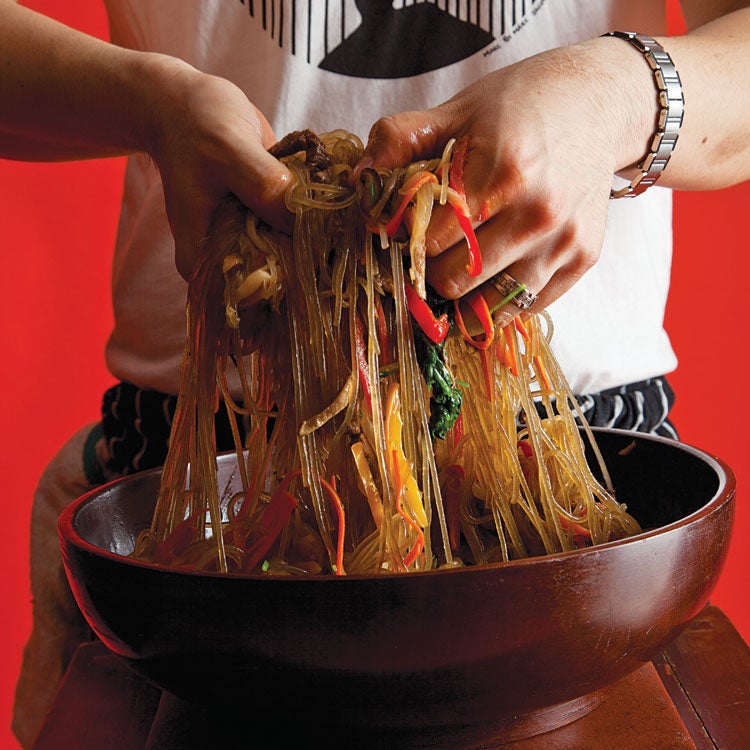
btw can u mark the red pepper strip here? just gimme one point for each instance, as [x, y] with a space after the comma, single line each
[382, 331]
[525, 447]
[511, 356]
[363, 369]
[461, 209]
[275, 515]
[436, 329]
[339, 507]
[458, 162]
[457, 431]
[178, 540]
[408, 191]
[581, 535]
[419, 544]
[454, 482]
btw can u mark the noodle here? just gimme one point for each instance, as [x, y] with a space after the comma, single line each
[373, 444]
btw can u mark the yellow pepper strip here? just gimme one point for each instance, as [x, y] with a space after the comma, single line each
[418, 546]
[393, 426]
[367, 483]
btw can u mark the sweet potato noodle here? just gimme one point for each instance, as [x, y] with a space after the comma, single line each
[380, 435]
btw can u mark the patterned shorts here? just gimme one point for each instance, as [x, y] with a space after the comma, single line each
[136, 423]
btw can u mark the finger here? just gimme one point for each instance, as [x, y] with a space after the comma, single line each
[257, 179]
[522, 287]
[531, 284]
[506, 297]
[401, 139]
[508, 236]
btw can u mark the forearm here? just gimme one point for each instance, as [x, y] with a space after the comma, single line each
[67, 95]
[714, 143]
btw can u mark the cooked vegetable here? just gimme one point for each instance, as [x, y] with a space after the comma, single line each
[380, 438]
[445, 396]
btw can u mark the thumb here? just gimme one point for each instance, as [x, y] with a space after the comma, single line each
[257, 180]
[263, 180]
[262, 185]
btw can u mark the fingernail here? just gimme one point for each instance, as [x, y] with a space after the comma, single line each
[503, 318]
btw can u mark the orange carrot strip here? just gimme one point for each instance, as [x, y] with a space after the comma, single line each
[521, 328]
[510, 351]
[484, 211]
[339, 508]
[478, 304]
[541, 372]
[581, 535]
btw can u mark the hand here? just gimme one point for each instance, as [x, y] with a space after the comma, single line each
[210, 142]
[544, 138]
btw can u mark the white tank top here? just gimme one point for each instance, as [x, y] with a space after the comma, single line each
[322, 64]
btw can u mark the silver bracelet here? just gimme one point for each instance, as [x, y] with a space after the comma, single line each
[671, 110]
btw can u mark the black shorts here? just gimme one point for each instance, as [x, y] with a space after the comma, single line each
[136, 422]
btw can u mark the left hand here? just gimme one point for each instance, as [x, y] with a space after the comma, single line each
[544, 138]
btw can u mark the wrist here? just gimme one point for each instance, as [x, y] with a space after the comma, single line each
[629, 103]
[155, 84]
[670, 109]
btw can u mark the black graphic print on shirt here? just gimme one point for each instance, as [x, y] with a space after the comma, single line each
[390, 38]
[396, 43]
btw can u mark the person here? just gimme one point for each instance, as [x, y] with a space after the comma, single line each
[196, 92]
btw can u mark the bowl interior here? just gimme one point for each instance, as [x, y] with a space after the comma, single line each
[662, 482]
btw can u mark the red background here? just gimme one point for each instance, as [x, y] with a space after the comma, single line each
[58, 226]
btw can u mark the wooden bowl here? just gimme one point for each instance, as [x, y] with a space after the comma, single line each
[507, 650]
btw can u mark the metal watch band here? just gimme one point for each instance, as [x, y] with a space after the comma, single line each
[671, 110]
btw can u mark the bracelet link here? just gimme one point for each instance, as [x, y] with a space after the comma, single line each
[669, 119]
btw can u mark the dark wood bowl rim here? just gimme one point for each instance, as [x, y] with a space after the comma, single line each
[724, 493]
